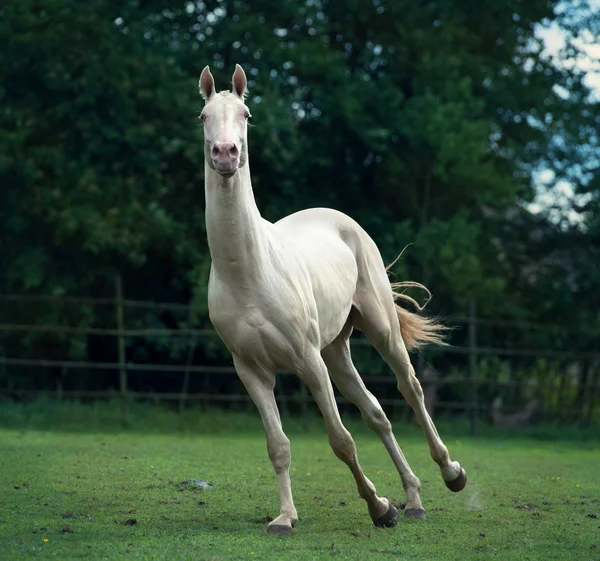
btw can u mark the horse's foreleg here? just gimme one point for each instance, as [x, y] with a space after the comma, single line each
[314, 374]
[260, 385]
[347, 379]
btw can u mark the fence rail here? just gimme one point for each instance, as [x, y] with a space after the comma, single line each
[471, 381]
[151, 304]
[233, 397]
[190, 332]
[104, 331]
[224, 370]
[148, 304]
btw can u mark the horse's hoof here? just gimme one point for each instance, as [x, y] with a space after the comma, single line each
[459, 483]
[279, 530]
[388, 520]
[414, 513]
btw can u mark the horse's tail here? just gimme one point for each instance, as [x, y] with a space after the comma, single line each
[416, 330]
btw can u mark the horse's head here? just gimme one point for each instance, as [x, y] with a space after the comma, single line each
[225, 118]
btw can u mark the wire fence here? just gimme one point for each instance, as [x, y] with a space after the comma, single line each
[472, 388]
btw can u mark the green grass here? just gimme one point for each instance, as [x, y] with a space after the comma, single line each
[76, 488]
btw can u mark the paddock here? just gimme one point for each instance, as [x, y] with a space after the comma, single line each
[83, 491]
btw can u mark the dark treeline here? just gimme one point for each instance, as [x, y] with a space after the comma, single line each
[428, 122]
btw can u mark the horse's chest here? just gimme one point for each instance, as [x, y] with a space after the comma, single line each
[228, 305]
[253, 336]
[259, 325]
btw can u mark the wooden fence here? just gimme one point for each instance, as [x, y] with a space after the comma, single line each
[473, 352]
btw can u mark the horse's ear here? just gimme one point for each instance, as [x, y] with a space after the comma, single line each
[206, 84]
[239, 81]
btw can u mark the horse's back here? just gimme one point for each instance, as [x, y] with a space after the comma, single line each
[326, 218]
[342, 260]
[320, 229]
[324, 237]
[328, 226]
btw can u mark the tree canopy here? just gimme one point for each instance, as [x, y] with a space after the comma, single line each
[427, 122]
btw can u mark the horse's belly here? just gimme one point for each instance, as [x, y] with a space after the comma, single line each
[334, 274]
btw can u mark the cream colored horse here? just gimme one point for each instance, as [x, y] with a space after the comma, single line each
[287, 296]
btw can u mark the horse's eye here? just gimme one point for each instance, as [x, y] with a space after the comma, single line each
[203, 116]
[247, 115]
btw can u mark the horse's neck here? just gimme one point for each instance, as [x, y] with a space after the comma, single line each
[235, 229]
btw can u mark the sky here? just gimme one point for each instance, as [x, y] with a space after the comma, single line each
[554, 39]
[562, 192]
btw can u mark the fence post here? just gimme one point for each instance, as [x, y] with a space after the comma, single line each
[185, 385]
[473, 366]
[593, 390]
[121, 347]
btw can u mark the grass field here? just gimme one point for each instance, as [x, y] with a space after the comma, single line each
[73, 491]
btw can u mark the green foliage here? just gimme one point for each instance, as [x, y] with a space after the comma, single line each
[425, 122]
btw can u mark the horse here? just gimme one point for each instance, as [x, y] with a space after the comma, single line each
[287, 296]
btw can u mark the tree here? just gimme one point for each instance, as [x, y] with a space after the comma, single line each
[425, 122]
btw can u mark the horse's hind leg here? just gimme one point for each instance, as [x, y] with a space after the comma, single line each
[347, 379]
[376, 317]
[314, 373]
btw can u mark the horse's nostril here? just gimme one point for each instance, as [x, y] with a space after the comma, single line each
[223, 151]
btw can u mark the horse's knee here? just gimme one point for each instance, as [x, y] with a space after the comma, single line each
[279, 452]
[377, 420]
[343, 445]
